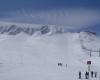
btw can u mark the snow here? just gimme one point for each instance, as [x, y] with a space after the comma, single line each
[36, 57]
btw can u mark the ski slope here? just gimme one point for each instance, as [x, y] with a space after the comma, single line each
[36, 57]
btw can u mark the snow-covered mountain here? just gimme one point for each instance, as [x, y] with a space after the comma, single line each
[24, 57]
[30, 29]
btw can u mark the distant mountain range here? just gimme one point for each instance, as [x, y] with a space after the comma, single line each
[11, 28]
[30, 29]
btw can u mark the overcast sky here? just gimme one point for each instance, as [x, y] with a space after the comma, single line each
[73, 13]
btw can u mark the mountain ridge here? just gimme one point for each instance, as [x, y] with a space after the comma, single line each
[30, 29]
[11, 28]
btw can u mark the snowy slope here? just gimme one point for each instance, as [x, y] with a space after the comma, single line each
[36, 57]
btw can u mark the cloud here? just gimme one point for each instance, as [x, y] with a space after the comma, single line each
[71, 18]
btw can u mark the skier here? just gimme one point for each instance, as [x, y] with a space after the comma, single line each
[92, 74]
[79, 75]
[87, 75]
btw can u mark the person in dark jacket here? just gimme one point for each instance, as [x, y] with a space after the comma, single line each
[92, 74]
[87, 75]
[79, 75]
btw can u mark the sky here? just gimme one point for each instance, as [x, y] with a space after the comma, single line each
[76, 14]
